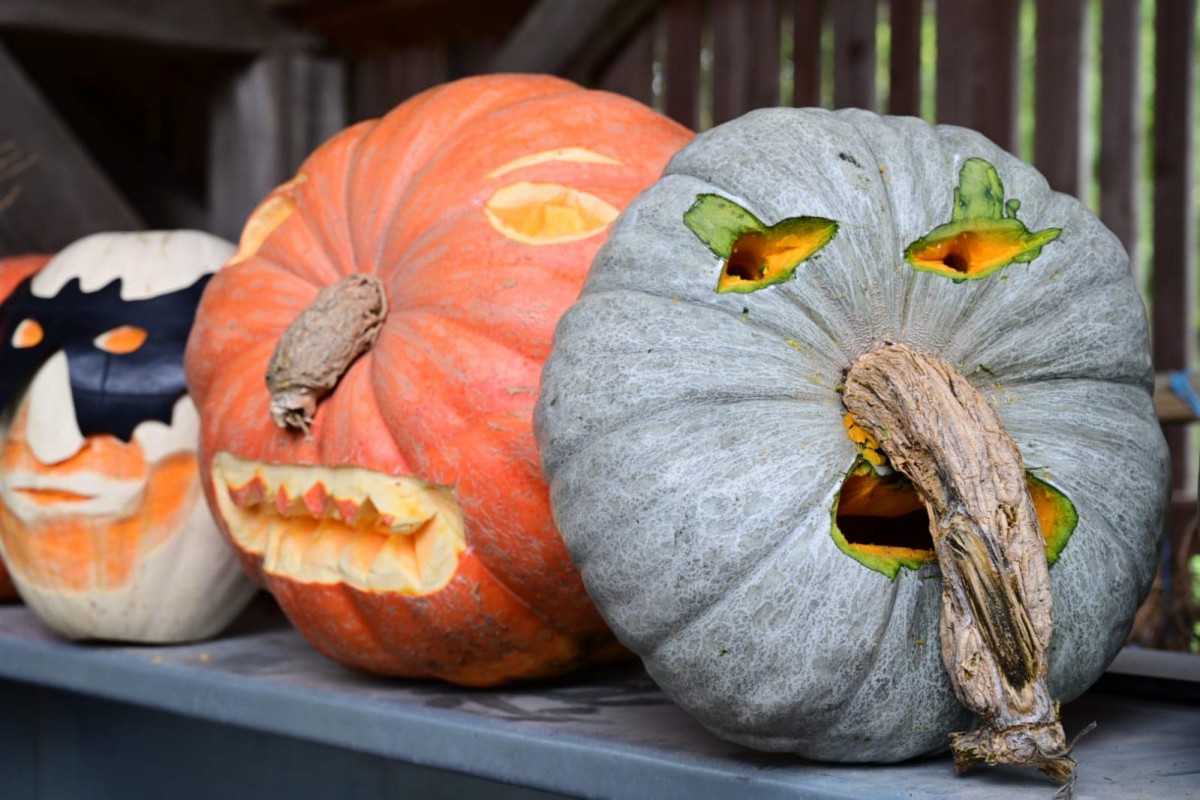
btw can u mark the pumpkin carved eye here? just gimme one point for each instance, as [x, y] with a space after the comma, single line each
[756, 255]
[125, 339]
[547, 213]
[983, 235]
[29, 333]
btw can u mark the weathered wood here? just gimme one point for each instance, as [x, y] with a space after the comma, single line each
[250, 142]
[631, 70]
[51, 190]
[382, 81]
[808, 21]
[746, 58]
[1058, 149]
[1121, 121]
[977, 75]
[681, 65]
[317, 103]
[854, 53]
[904, 63]
[360, 26]
[570, 37]
[237, 26]
[1174, 292]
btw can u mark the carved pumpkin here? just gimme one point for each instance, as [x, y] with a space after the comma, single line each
[401, 521]
[13, 270]
[102, 520]
[714, 423]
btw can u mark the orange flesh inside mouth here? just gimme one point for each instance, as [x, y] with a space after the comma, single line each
[341, 524]
[884, 517]
[762, 258]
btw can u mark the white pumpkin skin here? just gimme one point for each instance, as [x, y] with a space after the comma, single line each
[184, 583]
[694, 453]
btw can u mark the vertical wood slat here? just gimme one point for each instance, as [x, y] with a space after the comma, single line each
[1174, 290]
[51, 190]
[746, 40]
[854, 53]
[382, 81]
[631, 70]
[1120, 120]
[807, 24]
[317, 103]
[1058, 145]
[904, 68]
[681, 65]
[249, 142]
[977, 67]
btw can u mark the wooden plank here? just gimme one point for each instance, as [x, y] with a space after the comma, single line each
[631, 71]
[361, 26]
[808, 21]
[1174, 292]
[1170, 404]
[682, 22]
[570, 36]
[383, 81]
[904, 64]
[977, 68]
[238, 26]
[51, 190]
[854, 53]
[746, 57]
[318, 103]
[250, 147]
[1058, 149]
[1121, 121]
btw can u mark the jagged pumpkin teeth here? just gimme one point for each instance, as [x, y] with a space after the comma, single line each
[341, 524]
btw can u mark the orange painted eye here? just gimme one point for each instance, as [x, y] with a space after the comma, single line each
[29, 333]
[124, 339]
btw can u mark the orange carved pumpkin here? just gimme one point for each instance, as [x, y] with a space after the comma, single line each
[401, 520]
[13, 270]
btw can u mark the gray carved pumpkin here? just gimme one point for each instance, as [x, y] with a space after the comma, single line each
[735, 527]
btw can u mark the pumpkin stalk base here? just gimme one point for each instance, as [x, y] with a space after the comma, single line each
[322, 342]
[938, 430]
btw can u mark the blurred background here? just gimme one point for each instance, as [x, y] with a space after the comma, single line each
[127, 114]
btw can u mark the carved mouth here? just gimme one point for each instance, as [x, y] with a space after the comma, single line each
[374, 531]
[49, 497]
[34, 497]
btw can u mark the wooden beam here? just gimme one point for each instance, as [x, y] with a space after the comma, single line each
[234, 26]
[684, 26]
[1121, 121]
[570, 37]
[51, 190]
[904, 93]
[854, 53]
[746, 56]
[808, 20]
[365, 26]
[1058, 143]
[977, 74]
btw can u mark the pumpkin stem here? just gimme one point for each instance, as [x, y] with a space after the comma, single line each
[937, 429]
[322, 342]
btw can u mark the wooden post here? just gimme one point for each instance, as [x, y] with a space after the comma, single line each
[631, 70]
[808, 21]
[681, 67]
[1058, 144]
[51, 191]
[977, 76]
[1121, 121]
[746, 42]
[904, 95]
[854, 53]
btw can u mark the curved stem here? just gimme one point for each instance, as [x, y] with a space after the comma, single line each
[937, 429]
[322, 342]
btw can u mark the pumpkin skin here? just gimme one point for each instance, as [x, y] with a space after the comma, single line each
[107, 538]
[13, 270]
[696, 444]
[479, 205]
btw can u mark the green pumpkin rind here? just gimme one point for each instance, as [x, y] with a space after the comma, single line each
[694, 441]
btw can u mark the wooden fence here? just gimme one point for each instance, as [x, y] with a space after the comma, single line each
[118, 114]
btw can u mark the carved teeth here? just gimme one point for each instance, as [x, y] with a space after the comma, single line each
[341, 524]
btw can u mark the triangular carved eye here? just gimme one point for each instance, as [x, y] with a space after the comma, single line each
[756, 255]
[983, 235]
[119, 341]
[29, 333]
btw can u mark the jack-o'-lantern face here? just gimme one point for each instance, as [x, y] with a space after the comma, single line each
[98, 465]
[406, 529]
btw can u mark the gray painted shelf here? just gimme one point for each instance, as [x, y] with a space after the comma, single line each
[604, 734]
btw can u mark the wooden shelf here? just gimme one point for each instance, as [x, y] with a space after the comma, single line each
[608, 734]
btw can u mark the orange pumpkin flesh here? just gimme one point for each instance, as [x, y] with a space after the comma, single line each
[64, 546]
[479, 206]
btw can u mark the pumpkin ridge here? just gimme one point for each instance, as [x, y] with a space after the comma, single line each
[464, 326]
[452, 138]
[329, 183]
